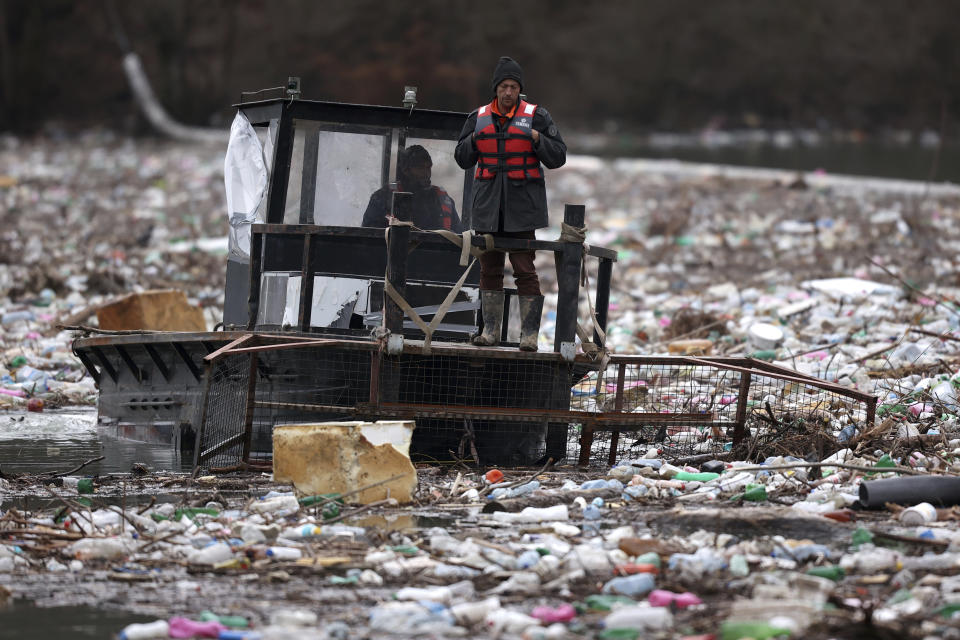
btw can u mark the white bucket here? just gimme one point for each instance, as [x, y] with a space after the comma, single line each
[918, 515]
[764, 336]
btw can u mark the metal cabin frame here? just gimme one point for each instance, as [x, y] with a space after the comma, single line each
[307, 249]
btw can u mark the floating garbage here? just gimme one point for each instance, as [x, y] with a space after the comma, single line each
[762, 541]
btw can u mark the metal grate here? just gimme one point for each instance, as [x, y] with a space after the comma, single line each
[501, 406]
[709, 406]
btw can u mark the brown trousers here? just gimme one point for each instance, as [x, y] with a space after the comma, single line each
[524, 273]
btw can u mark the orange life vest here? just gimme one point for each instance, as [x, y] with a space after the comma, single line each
[509, 150]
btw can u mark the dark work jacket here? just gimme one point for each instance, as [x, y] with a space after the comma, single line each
[430, 207]
[523, 203]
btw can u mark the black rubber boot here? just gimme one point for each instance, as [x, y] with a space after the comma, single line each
[491, 304]
[531, 307]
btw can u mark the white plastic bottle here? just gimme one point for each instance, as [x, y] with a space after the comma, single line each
[640, 617]
[146, 631]
[471, 613]
[284, 553]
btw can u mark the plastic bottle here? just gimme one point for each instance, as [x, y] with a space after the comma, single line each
[276, 505]
[731, 630]
[739, 566]
[212, 554]
[26, 373]
[755, 494]
[145, 631]
[524, 489]
[591, 512]
[663, 598]
[594, 484]
[597, 602]
[631, 586]
[631, 568]
[686, 476]
[505, 621]
[284, 553]
[515, 492]
[557, 512]
[16, 316]
[644, 462]
[650, 557]
[732, 483]
[528, 559]
[293, 618]
[239, 634]
[548, 615]
[640, 617]
[830, 572]
[669, 471]
[85, 485]
[186, 628]
[470, 613]
[237, 622]
[98, 549]
[309, 501]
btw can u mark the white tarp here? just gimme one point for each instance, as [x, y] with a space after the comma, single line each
[245, 171]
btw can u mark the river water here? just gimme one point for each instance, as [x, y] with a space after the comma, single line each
[61, 440]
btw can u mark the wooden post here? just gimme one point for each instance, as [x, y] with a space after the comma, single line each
[250, 409]
[308, 181]
[604, 274]
[306, 286]
[568, 280]
[397, 260]
[282, 154]
[256, 273]
[740, 422]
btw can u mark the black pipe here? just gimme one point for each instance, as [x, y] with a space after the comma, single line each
[940, 491]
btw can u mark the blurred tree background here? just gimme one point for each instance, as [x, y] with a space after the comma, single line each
[635, 65]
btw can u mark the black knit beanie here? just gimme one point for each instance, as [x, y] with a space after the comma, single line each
[507, 69]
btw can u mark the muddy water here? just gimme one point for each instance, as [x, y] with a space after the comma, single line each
[61, 440]
[22, 621]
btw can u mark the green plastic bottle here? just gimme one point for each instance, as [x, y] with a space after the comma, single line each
[755, 493]
[308, 501]
[830, 572]
[885, 462]
[650, 557]
[85, 485]
[861, 536]
[602, 602]
[619, 634]
[234, 622]
[730, 630]
[406, 550]
[703, 476]
[193, 512]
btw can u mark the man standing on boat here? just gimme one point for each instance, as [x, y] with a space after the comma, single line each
[510, 141]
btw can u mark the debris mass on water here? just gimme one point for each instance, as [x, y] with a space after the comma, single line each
[850, 280]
